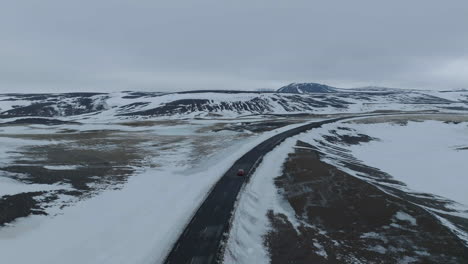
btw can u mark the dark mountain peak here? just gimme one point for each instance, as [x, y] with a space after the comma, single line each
[306, 88]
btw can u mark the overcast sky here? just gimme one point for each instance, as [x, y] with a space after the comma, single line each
[90, 45]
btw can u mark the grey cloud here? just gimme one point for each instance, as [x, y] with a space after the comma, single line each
[158, 45]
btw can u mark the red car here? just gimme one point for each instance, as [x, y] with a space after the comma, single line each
[240, 172]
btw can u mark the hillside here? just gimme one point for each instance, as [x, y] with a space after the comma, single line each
[225, 103]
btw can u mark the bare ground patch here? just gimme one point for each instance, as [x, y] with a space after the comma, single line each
[86, 162]
[83, 162]
[347, 220]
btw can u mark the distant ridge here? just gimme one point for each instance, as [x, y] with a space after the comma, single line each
[302, 88]
[295, 98]
[455, 91]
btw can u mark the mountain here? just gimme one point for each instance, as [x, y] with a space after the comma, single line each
[224, 104]
[51, 105]
[377, 89]
[301, 88]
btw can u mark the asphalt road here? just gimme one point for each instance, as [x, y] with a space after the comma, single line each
[200, 243]
[201, 240]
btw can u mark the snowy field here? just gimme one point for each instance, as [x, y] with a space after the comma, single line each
[164, 106]
[426, 156]
[169, 169]
[250, 224]
[114, 178]
[429, 156]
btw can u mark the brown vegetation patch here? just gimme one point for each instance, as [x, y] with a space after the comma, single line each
[347, 220]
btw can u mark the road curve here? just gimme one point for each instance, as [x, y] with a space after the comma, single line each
[201, 240]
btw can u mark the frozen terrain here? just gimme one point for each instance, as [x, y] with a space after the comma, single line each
[111, 185]
[420, 159]
[115, 177]
[427, 156]
[232, 104]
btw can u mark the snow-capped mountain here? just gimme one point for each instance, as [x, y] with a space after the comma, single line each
[227, 103]
[50, 105]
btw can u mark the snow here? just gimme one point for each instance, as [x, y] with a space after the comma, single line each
[463, 235]
[250, 223]
[134, 225]
[245, 244]
[7, 104]
[113, 103]
[62, 167]
[118, 99]
[137, 224]
[10, 186]
[374, 236]
[453, 95]
[405, 217]
[320, 250]
[422, 154]
[378, 248]
[426, 156]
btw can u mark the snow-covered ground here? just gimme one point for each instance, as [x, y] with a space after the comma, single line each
[427, 156]
[174, 160]
[246, 242]
[119, 105]
[139, 221]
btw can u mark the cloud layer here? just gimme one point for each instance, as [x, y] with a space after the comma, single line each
[53, 45]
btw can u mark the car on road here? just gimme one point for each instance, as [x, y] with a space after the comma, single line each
[240, 172]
